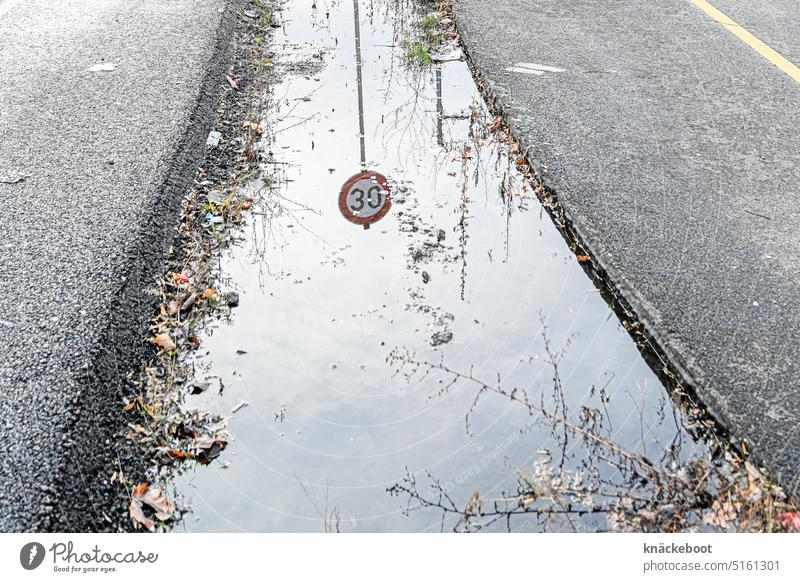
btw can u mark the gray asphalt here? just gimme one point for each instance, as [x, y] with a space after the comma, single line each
[92, 168]
[673, 147]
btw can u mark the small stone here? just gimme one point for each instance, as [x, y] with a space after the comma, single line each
[232, 298]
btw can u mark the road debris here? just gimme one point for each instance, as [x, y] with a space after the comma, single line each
[168, 431]
[145, 497]
[213, 139]
[165, 342]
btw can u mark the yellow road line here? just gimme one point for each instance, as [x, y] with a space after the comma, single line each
[754, 42]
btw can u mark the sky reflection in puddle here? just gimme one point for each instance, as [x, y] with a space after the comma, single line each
[463, 269]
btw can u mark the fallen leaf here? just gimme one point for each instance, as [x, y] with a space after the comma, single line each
[137, 515]
[582, 258]
[165, 342]
[139, 490]
[209, 449]
[142, 495]
[160, 504]
[789, 520]
[209, 293]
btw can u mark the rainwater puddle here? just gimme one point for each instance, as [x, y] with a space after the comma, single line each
[465, 270]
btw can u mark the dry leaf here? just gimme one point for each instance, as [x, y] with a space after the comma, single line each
[209, 449]
[165, 342]
[142, 495]
[582, 258]
[139, 490]
[209, 293]
[137, 514]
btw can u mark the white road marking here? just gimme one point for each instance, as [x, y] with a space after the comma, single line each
[533, 69]
[523, 70]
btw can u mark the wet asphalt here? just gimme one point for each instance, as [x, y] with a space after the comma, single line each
[92, 166]
[673, 147]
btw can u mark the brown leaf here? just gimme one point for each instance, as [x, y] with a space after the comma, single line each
[154, 498]
[137, 515]
[140, 489]
[209, 293]
[165, 342]
[209, 449]
[582, 258]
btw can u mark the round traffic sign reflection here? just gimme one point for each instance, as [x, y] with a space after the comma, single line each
[365, 198]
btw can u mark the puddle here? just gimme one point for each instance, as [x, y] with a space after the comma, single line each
[464, 269]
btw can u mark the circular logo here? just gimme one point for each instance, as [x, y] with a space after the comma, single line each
[31, 555]
[365, 198]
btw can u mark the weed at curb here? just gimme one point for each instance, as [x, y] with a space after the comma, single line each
[427, 35]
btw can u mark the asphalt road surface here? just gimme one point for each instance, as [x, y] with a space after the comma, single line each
[92, 165]
[670, 136]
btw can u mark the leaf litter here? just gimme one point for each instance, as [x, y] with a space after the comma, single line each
[167, 432]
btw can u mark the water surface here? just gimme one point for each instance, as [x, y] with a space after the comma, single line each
[465, 269]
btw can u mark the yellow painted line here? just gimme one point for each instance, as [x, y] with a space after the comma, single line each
[752, 41]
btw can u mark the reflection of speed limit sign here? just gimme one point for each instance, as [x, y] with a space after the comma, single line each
[364, 198]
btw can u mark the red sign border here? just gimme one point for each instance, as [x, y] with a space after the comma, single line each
[365, 220]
